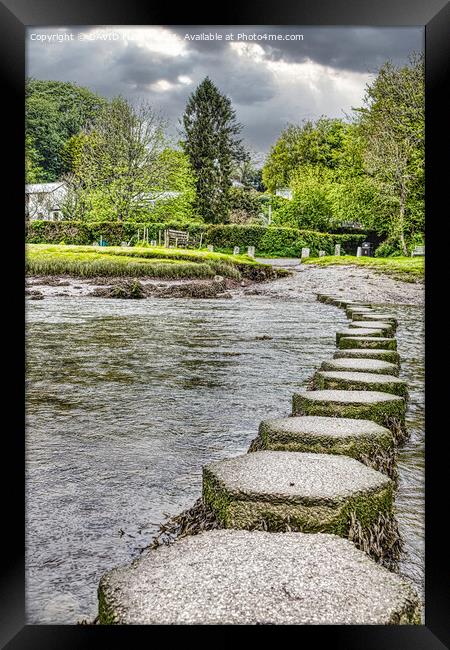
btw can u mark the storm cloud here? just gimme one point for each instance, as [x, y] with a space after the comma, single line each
[271, 78]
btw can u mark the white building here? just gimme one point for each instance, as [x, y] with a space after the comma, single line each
[285, 192]
[44, 200]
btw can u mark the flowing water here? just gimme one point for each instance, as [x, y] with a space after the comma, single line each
[126, 400]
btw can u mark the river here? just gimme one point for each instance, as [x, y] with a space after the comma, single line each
[127, 399]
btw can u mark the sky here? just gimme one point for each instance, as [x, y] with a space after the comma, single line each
[273, 75]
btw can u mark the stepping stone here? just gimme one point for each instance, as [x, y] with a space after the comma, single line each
[363, 341]
[392, 356]
[335, 380]
[383, 408]
[312, 493]
[364, 440]
[358, 332]
[358, 310]
[373, 316]
[339, 302]
[238, 577]
[361, 365]
[386, 328]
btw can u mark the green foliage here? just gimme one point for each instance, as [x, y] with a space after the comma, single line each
[309, 144]
[33, 171]
[245, 204]
[388, 248]
[393, 125]
[55, 111]
[311, 206]
[408, 269]
[210, 142]
[267, 240]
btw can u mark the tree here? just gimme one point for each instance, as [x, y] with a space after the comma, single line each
[55, 111]
[33, 172]
[311, 206]
[117, 163]
[307, 144]
[392, 122]
[210, 141]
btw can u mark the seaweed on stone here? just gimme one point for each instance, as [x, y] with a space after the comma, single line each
[192, 521]
[381, 539]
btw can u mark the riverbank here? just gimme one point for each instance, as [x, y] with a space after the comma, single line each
[407, 269]
[356, 283]
[140, 262]
[301, 281]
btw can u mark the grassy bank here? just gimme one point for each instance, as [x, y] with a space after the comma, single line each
[154, 262]
[408, 269]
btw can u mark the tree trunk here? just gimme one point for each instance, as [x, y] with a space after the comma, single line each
[401, 223]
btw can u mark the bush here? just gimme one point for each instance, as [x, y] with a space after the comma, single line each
[388, 248]
[269, 240]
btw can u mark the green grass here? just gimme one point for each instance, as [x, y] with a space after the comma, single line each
[408, 269]
[114, 261]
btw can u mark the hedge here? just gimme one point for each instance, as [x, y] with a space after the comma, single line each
[273, 240]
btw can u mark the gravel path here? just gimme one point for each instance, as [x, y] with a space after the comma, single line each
[345, 281]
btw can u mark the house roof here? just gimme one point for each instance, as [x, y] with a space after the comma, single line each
[38, 188]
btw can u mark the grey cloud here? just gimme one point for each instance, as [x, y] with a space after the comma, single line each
[263, 104]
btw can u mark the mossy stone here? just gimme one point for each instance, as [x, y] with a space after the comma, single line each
[276, 491]
[374, 316]
[360, 332]
[372, 342]
[392, 356]
[384, 408]
[387, 328]
[341, 380]
[363, 440]
[240, 577]
[375, 366]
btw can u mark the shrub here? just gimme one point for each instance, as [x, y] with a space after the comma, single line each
[267, 240]
[389, 248]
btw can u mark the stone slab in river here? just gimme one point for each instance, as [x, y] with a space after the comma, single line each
[386, 328]
[247, 578]
[373, 342]
[309, 492]
[359, 332]
[392, 356]
[384, 408]
[364, 440]
[341, 380]
[375, 366]
[373, 316]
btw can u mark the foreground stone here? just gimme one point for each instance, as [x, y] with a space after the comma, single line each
[307, 492]
[373, 342]
[359, 333]
[387, 328]
[375, 366]
[392, 356]
[364, 440]
[341, 380]
[385, 409]
[247, 578]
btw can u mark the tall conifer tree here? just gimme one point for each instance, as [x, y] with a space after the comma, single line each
[210, 141]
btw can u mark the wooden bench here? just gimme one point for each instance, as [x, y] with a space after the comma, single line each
[175, 238]
[418, 251]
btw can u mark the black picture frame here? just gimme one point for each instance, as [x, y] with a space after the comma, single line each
[15, 16]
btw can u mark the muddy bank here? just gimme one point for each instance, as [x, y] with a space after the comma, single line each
[304, 282]
[349, 282]
[131, 288]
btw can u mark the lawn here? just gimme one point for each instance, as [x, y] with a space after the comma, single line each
[408, 269]
[154, 262]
